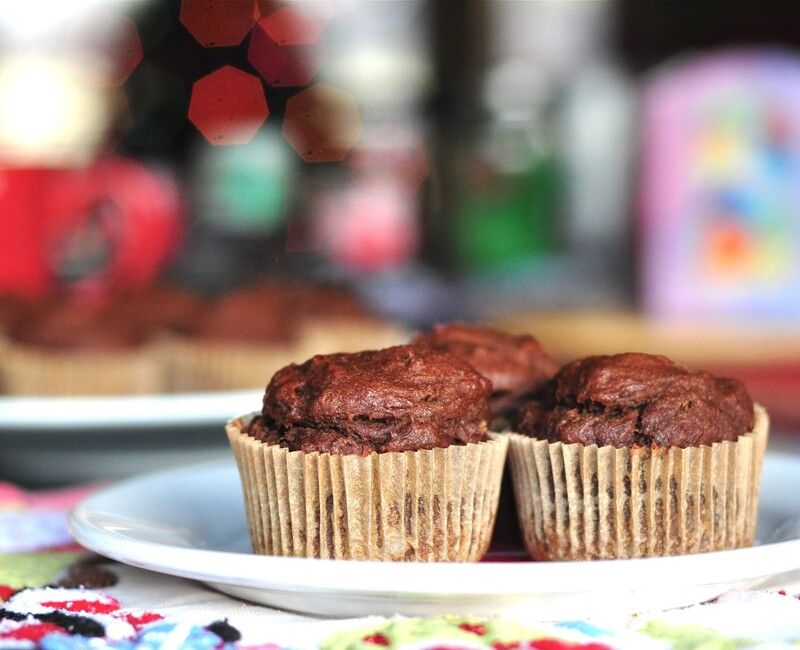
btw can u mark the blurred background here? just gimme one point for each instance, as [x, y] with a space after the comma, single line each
[607, 176]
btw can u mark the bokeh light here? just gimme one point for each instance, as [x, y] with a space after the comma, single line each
[218, 23]
[286, 49]
[288, 26]
[228, 106]
[322, 123]
[49, 114]
[392, 153]
[369, 228]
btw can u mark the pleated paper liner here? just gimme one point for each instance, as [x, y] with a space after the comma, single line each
[427, 505]
[579, 502]
[34, 371]
[223, 365]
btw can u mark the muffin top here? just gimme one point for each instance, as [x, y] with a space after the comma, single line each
[257, 314]
[324, 301]
[69, 324]
[516, 365]
[14, 310]
[163, 307]
[634, 399]
[402, 398]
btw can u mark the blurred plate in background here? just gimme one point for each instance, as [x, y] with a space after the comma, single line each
[50, 441]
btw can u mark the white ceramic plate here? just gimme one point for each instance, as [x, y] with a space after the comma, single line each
[190, 522]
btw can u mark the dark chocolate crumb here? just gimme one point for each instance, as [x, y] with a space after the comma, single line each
[225, 631]
[90, 576]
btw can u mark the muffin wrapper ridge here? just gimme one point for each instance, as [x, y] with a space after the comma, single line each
[33, 371]
[224, 365]
[579, 502]
[427, 505]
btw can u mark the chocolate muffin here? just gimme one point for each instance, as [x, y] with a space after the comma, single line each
[163, 309]
[398, 399]
[632, 455]
[75, 348]
[14, 310]
[323, 301]
[257, 314]
[634, 399]
[333, 319]
[517, 366]
[378, 455]
[68, 324]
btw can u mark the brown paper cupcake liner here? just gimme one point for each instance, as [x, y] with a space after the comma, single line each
[579, 502]
[212, 365]
[427, 505]
[33, 371]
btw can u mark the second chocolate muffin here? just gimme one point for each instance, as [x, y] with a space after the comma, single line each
[632, 455]
[634, 399]
[517, 366]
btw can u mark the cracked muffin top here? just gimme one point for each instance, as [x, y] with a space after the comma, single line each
[517, 366]
[402, 398]
[632, 399]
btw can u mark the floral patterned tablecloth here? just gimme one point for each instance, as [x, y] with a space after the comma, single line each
[56, 596]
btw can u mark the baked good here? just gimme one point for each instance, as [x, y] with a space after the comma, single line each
[69, 324]
[163, 308]
[516, 365]
[69, 347]
[13, 310]
[632, 455]
[392, 444]
[333, 319]
[627, 400]
[258, 314]
[403, 398]
[241, 339]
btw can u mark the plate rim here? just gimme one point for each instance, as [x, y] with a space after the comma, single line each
[413, 579]
[68, 414]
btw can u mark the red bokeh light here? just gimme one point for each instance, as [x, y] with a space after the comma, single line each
[218, 23]
[228, 106]
[369, 228]
[290, 27]
[322, 123]
[286, 49]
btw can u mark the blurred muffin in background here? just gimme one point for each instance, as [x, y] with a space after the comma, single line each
[333, 319]
[163, 308]
[65, 346]
[13, 310]
[239, 340]
[245, 336]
